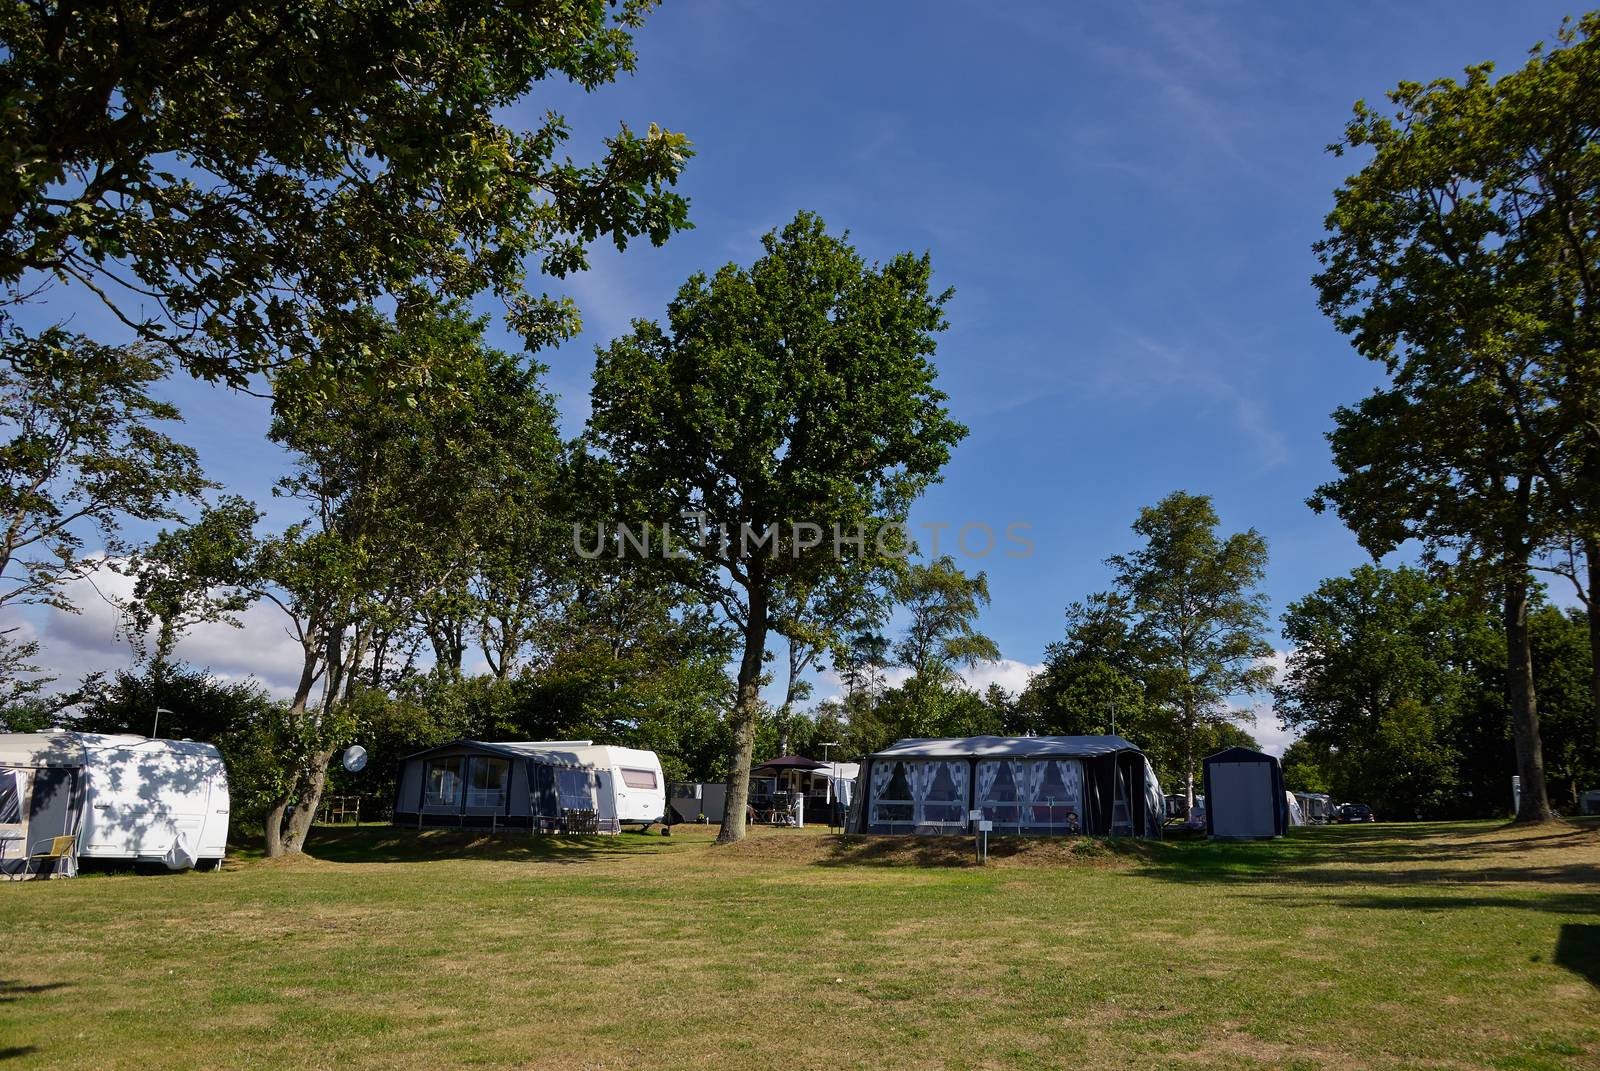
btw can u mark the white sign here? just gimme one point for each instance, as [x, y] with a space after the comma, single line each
[975, 816]
[984, 827]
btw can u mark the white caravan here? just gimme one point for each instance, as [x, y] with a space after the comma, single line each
[632, 787]
[126, 798]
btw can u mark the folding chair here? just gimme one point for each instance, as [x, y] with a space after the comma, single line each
[60, 848]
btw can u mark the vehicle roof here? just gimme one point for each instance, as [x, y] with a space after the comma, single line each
[1006, 747]
[63, 747]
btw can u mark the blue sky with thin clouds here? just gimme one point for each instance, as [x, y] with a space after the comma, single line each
[1124, 197]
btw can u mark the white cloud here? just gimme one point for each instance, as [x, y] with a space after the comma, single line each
[1263, 725]
[96, 638]
[1263, 722]
[1008, 673]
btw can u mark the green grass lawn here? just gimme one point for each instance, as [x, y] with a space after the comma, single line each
[1403, 946]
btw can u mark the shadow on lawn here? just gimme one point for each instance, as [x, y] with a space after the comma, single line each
[1578, 950]
[10, 992]
[388, 844]
[1409, 859]
[14, 991]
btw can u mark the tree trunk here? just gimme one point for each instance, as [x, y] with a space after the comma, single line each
[274, 828]
[305, 811]
[1189, 729]
[1591, 556]
[1520, 695]
[744, 717]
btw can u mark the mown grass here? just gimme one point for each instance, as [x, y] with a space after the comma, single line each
[1390, 946]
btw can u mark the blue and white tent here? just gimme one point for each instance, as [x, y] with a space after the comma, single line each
[1035, 785]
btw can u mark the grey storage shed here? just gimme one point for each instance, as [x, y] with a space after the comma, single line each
[1245, 798]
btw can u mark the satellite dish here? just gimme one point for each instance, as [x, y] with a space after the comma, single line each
[355, 758]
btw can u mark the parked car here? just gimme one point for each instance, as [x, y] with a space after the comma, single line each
[1354, 812]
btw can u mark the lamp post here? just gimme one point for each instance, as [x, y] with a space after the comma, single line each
[155, 725]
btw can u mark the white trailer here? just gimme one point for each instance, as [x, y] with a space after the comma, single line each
[127, 798]
[632, 786]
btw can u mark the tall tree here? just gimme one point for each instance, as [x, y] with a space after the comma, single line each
[387, 482]
[942, 605]
[1197, 615]
[791, 406]
[1380, 670]
[236, 183]
[1463, 258]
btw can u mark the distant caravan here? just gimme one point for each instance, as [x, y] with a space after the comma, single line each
[68, 798]
[556, 786]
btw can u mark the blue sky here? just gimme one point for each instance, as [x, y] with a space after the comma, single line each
[1124, 197]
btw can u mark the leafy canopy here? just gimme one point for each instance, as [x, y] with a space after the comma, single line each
[237, 181]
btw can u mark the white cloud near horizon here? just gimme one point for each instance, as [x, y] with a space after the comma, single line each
[96, 638]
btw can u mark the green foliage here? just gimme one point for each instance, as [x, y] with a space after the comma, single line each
[942, 604]
[82, 453]
[397, 492]
[1194, 617]
[261, 172]
[22, 681]
[1305, 767]
[1561, 661]
[798, 391]
[28, 715]
[1396, 684]
[1380, 672]
[1461, 257]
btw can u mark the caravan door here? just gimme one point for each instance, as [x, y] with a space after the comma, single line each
[16, 790]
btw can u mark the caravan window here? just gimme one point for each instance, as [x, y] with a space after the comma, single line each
[443, 783]
[486, 787]
[575, 789]
[638, 778]
[942, 793]
[893, 801]
[11, 801]
[1000, 791]
[1043, 795]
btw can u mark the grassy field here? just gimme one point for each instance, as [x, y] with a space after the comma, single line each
[1440, 946]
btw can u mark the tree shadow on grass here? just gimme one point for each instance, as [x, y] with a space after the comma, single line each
[14, 991]
[956, 850]
[1458, 866]
[1578, 950]
[389, 844]
[1317, 898]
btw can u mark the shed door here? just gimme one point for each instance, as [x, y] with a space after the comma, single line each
[1244, 804]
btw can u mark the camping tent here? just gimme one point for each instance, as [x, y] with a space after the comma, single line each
[543, 785]
[1042, 785]
[128, 798]
[697, 801]
[1316, 806]
[1245, 797]
[1297, 816]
